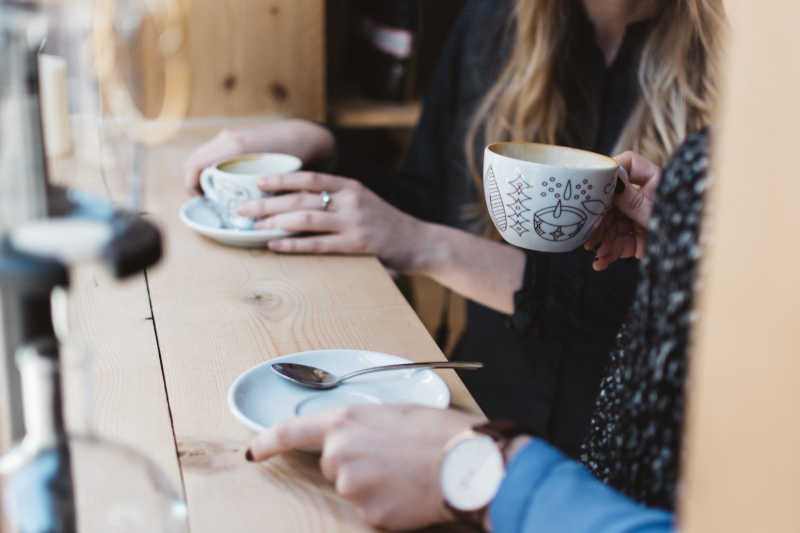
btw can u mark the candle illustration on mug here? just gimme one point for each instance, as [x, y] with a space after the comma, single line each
[558, 222]
[563, 221]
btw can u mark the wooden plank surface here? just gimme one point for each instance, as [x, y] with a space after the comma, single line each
[743, 440]
[111, 339]
[221, 310]
[247, 56]
[114, 354]
[113, 380]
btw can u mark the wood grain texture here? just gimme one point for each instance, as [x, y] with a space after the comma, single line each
[221, 310]
[247, 56]
[743, 465]
[360, 113]
[113, 375]
[113, 384]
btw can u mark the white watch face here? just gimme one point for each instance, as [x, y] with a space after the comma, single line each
[472, 472]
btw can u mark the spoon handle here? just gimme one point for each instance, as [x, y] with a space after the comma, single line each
[465, 365]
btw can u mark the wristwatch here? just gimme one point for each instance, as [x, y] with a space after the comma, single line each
[473, 467]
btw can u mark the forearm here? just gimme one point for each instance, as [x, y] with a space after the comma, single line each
[301, 138]
[544, 491]
[485, 271]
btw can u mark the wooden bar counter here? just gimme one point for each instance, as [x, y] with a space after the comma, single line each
[167, 346]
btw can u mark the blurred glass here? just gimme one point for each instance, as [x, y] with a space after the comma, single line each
[115, 490]
[56, 481]
[91, 67]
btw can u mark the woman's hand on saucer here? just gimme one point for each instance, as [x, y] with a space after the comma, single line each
[344, 216]
[383, 458]
[622, 231]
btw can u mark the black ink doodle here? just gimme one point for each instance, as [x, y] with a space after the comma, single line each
[517, 208]
[574, 190]
[496, 208]
[231, 195]
[558, 222]
[595, 207]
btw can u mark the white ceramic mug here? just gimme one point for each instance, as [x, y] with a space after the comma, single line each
[544, 197]
[234, 181]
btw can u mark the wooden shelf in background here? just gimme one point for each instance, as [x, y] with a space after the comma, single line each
[362, 113]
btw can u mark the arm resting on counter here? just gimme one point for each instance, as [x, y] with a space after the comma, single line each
[545, 492]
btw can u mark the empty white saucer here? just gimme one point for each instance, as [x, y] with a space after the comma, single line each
[198, 215]
[260, 398]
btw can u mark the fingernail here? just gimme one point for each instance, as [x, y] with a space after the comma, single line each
[620, 188]
[249, 455]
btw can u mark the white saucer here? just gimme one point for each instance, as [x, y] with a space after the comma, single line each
[198, 215]
[260, 398]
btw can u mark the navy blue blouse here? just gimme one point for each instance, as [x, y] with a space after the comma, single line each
[544, 363]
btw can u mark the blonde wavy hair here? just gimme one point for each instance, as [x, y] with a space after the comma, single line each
[678, 74]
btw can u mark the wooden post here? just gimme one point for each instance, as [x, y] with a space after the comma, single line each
[246, 57]
[742, 472]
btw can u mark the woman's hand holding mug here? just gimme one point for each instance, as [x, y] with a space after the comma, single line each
[303, 139]
[344, 216]
[621, 233]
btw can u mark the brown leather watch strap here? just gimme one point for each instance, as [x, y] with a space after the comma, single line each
[504, 431]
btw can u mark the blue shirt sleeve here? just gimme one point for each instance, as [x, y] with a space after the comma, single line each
[546, 492]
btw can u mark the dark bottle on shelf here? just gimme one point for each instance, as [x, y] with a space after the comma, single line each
[389, 31]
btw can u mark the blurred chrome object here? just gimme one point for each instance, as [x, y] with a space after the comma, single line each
[22, 164]
[70, 70]
[23, 191]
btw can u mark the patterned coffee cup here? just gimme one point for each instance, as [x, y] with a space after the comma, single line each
[234, 181]
[544, 197]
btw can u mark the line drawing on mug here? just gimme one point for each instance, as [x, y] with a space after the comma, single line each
[579, 190]
[497, 210]
[568, 190]
[232, 195]
[595, 207]
[518, 207]
[558, 222]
